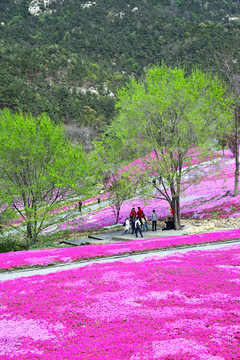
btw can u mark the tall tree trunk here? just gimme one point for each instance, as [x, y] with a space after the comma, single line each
[178, 220]
[34, 232]
[175, 205]
[28, 220]
[118, 207]
[237, 120]
[29, 232]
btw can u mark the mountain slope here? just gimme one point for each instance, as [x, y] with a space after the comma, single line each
[67, 58]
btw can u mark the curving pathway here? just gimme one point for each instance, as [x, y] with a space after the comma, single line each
[139, 257]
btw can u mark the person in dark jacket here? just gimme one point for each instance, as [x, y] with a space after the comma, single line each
[132, 222]
[169, 224]
[80, 206]
[138, 227]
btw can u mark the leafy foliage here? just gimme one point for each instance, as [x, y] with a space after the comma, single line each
[168, 119]
[38, 168]
[9, 243]
[120, 188]
[50, 61]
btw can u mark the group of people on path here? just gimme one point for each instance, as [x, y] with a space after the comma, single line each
[137, 222]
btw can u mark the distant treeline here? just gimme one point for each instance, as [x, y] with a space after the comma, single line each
[50, 61]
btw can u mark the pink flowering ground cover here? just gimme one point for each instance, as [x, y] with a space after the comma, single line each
[31, 258]
[65, 208]
[212, 197]
[180, 307]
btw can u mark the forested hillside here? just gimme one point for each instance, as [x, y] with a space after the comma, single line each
[67, 58]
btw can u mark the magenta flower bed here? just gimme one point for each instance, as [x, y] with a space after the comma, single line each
[213, 196]
[181, 307]
[32, 258]
[65, 208]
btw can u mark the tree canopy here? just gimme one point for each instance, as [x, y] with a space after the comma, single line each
[39, 167]
[169, 120]
[50, 60]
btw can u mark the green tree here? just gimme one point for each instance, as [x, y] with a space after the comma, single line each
[168, 119]
[117, 183]
[39, 168]
[225, 62]
[119, 188]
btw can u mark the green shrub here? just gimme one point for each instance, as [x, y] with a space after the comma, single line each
[10, 243]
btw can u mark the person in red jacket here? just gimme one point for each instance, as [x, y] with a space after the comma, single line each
[139, 213]
[133, 213]
[132, 217]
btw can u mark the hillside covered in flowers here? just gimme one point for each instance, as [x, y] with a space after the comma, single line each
[211, 198]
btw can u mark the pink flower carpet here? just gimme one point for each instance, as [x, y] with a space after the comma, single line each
[181, 307]
[46, 257]
[212, 197]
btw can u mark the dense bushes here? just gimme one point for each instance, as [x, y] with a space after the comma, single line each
[12, 243]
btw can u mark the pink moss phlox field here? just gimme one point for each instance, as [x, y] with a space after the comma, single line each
[213, 196]
[32, 258]
[195, 156]
[181, 307]
[66, 208]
